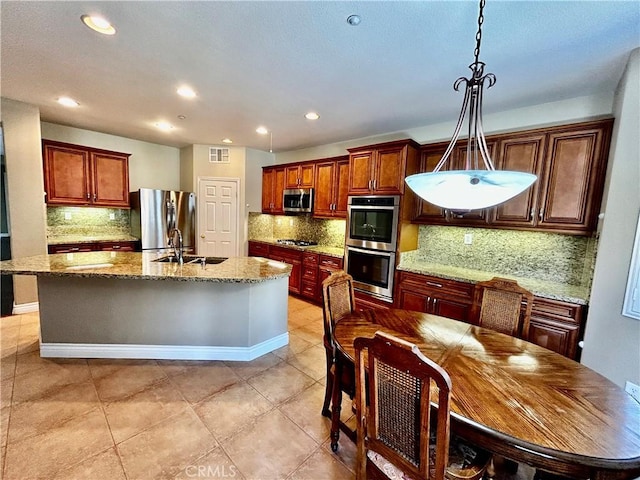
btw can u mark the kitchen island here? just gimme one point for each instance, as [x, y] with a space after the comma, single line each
[129, 305]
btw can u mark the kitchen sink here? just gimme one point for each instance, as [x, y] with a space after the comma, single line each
[192, 259]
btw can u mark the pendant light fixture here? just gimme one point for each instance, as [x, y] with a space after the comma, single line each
[479, 185]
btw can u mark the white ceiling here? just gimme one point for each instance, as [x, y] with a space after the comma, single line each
[268, 63]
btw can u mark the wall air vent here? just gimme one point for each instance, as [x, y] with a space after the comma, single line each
[218, 155]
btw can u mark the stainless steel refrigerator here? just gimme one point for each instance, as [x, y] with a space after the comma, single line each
[155, 212]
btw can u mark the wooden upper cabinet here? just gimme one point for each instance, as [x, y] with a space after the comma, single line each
[300, 176]
[570, 162]
[574, 178]
[110, 179]
[381, 169]
[273, 182]
[524, 154]
[425, 211]
[331, 187]
[78, 175]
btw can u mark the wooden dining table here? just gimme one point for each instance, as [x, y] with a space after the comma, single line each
[517, 399]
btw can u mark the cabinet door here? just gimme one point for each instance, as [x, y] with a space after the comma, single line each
[574, 180]
[110, 179]
[67, 174]
[557, 336]
[291, 177]
[278, 189]
[341, 185]
[307, 175]
[324, 191]
[413, 300]
[268, 183]
[426, 212]
[71, 248]
[361, 172]
[449, 307]
[389, 170]
[258, 249]
[520, 155]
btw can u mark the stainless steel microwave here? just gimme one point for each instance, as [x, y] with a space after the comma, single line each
[298, 200]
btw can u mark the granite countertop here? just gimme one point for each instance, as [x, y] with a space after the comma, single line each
[62, 239]
[322, 249]
[555, 291]
[129, 265]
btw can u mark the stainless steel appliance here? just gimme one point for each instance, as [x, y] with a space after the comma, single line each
[372, 222]
[372, 271]
[371, 240]
[297, 200]
[155, 213]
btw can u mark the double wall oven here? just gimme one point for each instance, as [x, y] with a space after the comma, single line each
[371, 241]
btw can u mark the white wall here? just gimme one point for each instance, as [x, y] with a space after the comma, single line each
[150, 165]
[612, 341]
[566, 111]
[25, 185]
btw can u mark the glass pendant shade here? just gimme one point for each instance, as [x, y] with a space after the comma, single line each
[472, 188]
[462, 190]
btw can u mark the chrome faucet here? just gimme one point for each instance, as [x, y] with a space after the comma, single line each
[177, 249]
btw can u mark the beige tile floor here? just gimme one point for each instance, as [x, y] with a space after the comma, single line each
[138, 419]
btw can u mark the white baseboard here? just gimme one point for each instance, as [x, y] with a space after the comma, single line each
[161, 352]
[25, 308]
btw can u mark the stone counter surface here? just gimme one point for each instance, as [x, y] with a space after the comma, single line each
[322, 249]
[555, 291]
[129, 265]
[63, 239]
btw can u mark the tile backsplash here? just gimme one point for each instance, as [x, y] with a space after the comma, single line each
[545, 256]
[328, 233]
[87, 221]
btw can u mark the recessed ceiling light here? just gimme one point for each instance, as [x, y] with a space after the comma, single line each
[227, 140]
[312, 116]
[353, 20]
[98, 24]
[262, 130]
[186, 92]
[164, 126]
[67, 102]
[182, 117]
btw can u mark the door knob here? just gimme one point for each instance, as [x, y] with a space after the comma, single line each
[202, 235]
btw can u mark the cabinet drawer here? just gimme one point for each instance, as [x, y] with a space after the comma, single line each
[310, 259]
[563, 311]
[428, 283]
[309, 289]
[309, 273]
[117, 246]
[71, 247]
[258, 249]
[330, 262]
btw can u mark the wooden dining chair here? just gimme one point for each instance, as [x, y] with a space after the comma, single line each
[404, 427]
[338, 299]
[498, 304]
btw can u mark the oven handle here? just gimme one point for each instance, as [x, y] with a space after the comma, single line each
[371, 252]
[371, 207]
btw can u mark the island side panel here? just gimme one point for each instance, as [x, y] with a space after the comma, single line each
[159, 312]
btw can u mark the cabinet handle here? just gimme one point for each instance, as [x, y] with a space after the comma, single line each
[115, 247]
[435, 303]
[434, 284]
[375, 182]
[532, 214]
[75, 249]
[541, 215]
[94, 197]
[88, 196]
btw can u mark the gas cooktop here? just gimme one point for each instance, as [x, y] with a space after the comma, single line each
[298, 243]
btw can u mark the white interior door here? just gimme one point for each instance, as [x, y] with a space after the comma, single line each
[218, 217]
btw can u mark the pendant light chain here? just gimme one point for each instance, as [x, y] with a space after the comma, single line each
[476, 52]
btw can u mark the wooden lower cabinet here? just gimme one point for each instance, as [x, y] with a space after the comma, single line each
[557, 326]
[293, 258]
[435, 295]
[554, 324]
[125, 246]
[258, 249]
[310, 275]
[326, 266]
[364, 301]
